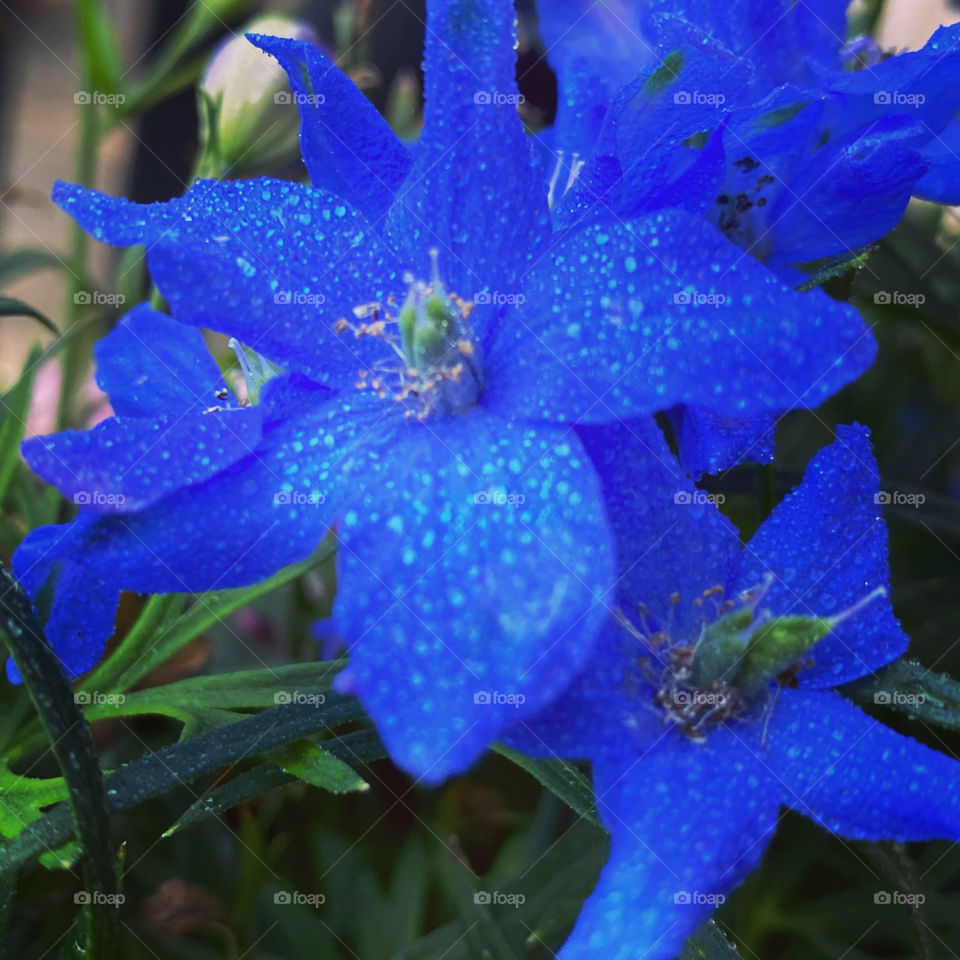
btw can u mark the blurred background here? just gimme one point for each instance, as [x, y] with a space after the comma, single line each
[389, 862]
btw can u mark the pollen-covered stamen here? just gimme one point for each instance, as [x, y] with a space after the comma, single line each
[433, 364]
[256, 370]
[736, 662]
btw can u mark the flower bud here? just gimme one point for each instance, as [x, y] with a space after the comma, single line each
[254, 118]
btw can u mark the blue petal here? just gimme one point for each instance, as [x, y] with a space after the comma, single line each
[626, 319]
[855, 776]
[152, 366]
[941, 183]
[594, 49]
[670, 539]
[125, 464]
[452, 598]
[349, 149]
[786, 41]
[712, 443]
[267, 261]
[476, 191]
[688, 823]
[669, 545]
[78, 621]
[826, 545]
[869, 178]
[269, 509]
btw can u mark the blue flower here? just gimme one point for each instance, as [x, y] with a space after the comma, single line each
[419, 344]
[708, 705]
[746, 112]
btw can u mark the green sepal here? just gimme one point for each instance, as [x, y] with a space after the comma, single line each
[721, 648]
[776, 646]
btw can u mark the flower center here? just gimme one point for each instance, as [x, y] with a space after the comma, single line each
[737, 661]
[738, 211]
[433, 362]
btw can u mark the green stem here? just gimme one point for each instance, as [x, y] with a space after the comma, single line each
[75, 356]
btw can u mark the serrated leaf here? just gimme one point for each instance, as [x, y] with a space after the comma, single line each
[14, 307]
[561, 778]
[911, 688]
[314, 765]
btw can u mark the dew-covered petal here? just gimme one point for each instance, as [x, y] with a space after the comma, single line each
[711, 443]
[594, 48]
[269, 509]
[784, 41]
[626, 319]
[826, 546]
[476, 191]
[349, 149]
[855, 776]
[125, 464]
[475, 568]
[269, 262]
[688, 822]
[150, 365]
[941, 183]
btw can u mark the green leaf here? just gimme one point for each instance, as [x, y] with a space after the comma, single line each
[161, 771]
[14, 406]
[314, 765]
[911, 688]
[70, 743]
[561, 778]
[101, 50]
[164, 627]
[12, 307]
[27, 260]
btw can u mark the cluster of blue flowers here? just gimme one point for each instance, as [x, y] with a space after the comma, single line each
[453, 351]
